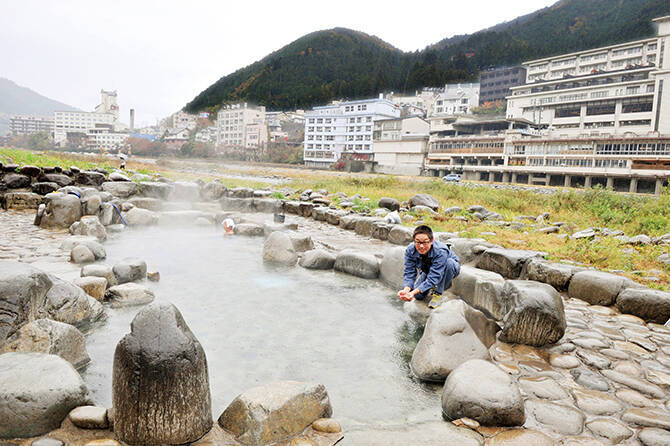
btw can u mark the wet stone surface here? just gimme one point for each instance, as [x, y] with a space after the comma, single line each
[607, 381]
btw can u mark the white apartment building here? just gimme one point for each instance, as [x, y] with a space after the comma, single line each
[608, 91]
[237, 126]
[76, 122]
[400, 145]
[104, 137]
[30, 124]
[424, 101]
[181, 120]
[345, 127]
[456, 99]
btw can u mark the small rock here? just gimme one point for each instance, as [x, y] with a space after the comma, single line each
[610, 430]
[81, 254]
[328, 425]
[153, 276]
[651, 436]
[93, 286]
[129, 294]
[89, 417]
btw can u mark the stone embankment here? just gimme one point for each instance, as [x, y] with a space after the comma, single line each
[563, 353]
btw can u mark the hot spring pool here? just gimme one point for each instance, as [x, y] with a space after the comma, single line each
[259, 323]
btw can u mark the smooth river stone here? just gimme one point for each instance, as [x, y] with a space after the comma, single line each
[647, 417]
[590, 343]
[630, 348]
[561, 419]
[520, 437]
[564, 361]
[543, 387]
[579, 441]
[609, 429]
[658, 377]
[614, 354]
[645, 343]
[651, 436]
[594, 359]
[590, 379]
[595, 402]
[634, 383]
[629, 368]
[634, 398]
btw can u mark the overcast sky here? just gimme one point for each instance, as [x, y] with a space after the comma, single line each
[159, 54]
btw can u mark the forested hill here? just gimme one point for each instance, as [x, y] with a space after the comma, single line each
[342, 63]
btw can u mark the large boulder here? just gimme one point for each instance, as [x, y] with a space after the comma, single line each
[89, 226]
[365, 226]
[237, 204]
[650, 305]
[249, 229]
[467, 249]
[44, 188]
[22, 290]
[267, 205]
[278, 248]
[240, 192]
[58, 178]
[479, 390]
[160, 384]
[301, 242]
[22, 200]
[464, 284]
[151, 204]
[37, 391]
[185, 191]
[16, 181]
[103, 271]
[534, 313]
[81, 254]
[89, 241]
[506, 262]
[389, 203]
[596, 287]
[61, 210]
[90, 178]
[317, 259]
[213, 191]
[47, 336]
[557, 275]
[275, 412]
[454, 334]
[141, 217]
[180, 218]
[130, 269]
[66, 302]
[357, 264]
[93, 286]
[392, 267]
[92, 205]
[27, 293]
[488, 297]
[121, 189]
[129, 294]
[401, 235]
[156, 189]
[424, 200]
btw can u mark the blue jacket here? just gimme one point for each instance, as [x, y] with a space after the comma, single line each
[441, 258]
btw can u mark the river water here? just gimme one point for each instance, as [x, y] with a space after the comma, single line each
[259, 323]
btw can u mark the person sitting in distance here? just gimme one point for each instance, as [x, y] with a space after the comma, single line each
[437, 265]
[228, 226]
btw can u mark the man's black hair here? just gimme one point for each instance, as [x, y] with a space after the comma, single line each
[423, 229]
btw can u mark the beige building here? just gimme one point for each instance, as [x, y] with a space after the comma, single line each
[29, 124]
[78, 124]
[602, 92]
[239, 126]
[400, 145]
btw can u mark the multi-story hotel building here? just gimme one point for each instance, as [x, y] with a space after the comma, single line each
[344, 128]
[495, 83]
[240, 126]
[79, 123]
[29, 124]
[600, 116]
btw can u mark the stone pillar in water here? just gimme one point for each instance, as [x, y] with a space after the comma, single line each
[160, 387]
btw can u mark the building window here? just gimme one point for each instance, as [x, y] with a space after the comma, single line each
[637, 105]
[567, 111]
[601, 108]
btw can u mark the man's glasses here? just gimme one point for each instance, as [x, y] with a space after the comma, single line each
[427, 242]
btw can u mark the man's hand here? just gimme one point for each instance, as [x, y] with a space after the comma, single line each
[406, 294]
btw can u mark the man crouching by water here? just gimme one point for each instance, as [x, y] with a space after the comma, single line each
[436, 262]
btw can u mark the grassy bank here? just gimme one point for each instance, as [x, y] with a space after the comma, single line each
[579, 209]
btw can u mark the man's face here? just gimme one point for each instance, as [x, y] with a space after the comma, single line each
[422, 243]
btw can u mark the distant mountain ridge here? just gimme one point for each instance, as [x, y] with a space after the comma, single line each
[344, 64]
[15, 99]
